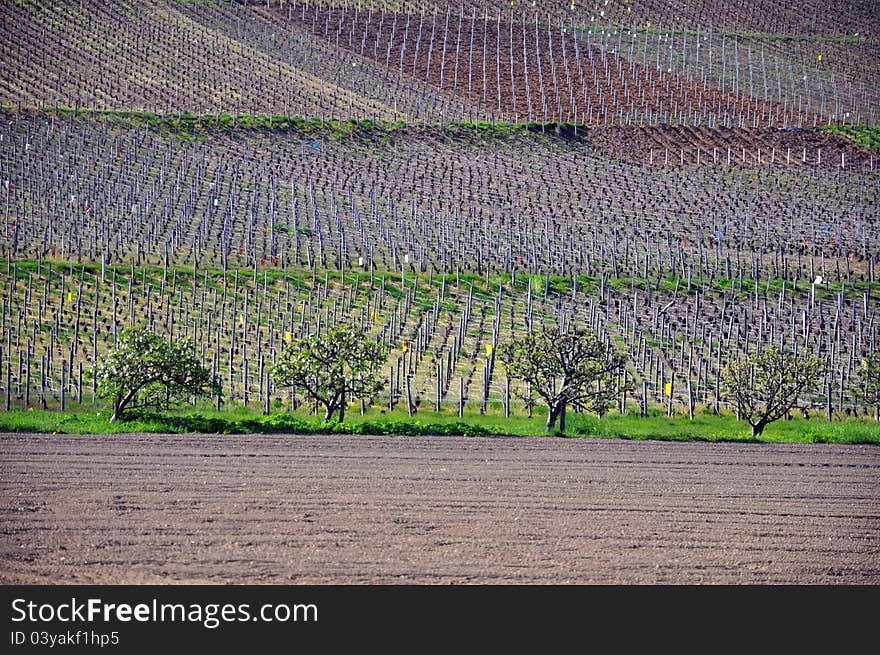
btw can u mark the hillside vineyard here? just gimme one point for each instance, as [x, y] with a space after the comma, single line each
[692, 180]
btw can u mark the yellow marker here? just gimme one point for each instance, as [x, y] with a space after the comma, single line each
[820, 57]
[375, 316]
[669, 389]
[288, 337]
[405, 346]
[69, 296]
[488, 350]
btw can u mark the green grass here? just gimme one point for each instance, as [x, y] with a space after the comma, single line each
[186, 124]
[241, 420]
[868, 137]
[189, 126]
[708, 427]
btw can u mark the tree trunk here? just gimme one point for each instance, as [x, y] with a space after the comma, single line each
[552, 414]
[757, 429]
[328, 415]
[562, 418]
[120, 404]
[342, 407]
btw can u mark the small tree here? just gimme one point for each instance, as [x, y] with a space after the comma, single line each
[143, 370]
[766, 385]
[332, 367]
[573, 367]
[869, 382]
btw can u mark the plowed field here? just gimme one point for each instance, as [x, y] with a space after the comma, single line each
[351, 510]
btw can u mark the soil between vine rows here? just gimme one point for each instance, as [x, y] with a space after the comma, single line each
[434, 510]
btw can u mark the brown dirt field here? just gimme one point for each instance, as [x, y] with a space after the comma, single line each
[661, 145]
[350, 510]
[527, 71]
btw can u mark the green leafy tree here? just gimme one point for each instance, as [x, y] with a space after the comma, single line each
[332, 367]
[869, 382]
[144, 370]
[765, 386]
[565, 368]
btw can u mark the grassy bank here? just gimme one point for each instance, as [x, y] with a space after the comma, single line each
[704, 427]
[185, 124]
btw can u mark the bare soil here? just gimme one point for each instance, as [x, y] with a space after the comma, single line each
[661, 145]
[330, 509]
[528, 71]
